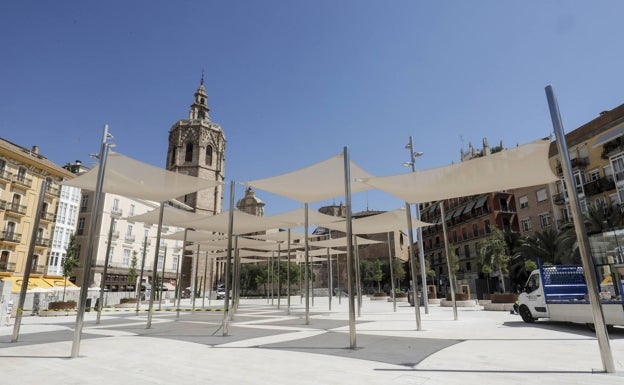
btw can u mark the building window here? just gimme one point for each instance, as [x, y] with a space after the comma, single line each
[467, 251]
[468, 267]
[174, 262]
[524, 202]
[129, 230]
[594, 175]
[208, 155]
[544, 220]
[464, 233]
[188, 155]
[541, 195]
[80, 229]
[486, 224]
[83, 203]
[110, 256]
[160, 262]
[526, 224]
[475, 230]
[126, 258]
[132, 208]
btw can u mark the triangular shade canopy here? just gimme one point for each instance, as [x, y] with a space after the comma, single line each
[243, 223]
[131, 178]
[296, 218]
[320, 181]
[171, 217]
[194, 236]
[522, 166]
[379, 223]
[342, 242]
[241, 243]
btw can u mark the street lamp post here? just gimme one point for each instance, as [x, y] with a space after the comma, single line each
[421, 251]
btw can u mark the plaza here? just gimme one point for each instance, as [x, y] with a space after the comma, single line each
[266, 345]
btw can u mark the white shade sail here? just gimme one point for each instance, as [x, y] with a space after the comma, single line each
[241, 243]
[320, 181]
[282, 236]
[194, 236]
[171, 217]
[243, 223]
[131, 178]
[342, 242]
[296, 218]
[380, 223]
[522, 166]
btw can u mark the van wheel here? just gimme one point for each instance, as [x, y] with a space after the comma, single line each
[592, 327]
[526, 315]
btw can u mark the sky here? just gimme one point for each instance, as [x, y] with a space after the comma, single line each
[294, 82]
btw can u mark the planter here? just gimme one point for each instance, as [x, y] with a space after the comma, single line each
[458, 297]
[504, 298]
[379, 297]
[59, 305]
[56, 313]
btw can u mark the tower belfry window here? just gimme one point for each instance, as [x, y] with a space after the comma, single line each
[208, 155]
[188, 156]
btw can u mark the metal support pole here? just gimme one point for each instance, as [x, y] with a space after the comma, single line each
[29, 260]
[358, 276]
[410, 234]
[141, 274]
[391, 273]
[105, 269]
[155, 266]
[90, 248]
[421, 248]
[350, 262]
[179, 275]
[329, 279]
[162, 280]
[205, 281]
[589, 269]
[338, 280]
[288, 276]
[307, 267]
[194, 288]
[447, 250]
[226, 297]
[279, 278]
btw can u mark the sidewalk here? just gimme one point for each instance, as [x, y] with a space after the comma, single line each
[267, 346]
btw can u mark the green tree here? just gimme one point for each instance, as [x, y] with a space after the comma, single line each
[546, 244]
[70, 261]
[494, 255]
[398, 271]
[132, 271]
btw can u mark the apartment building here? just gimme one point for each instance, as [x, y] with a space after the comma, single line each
[22, 173]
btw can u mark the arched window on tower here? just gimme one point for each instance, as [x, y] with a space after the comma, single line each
[174, 156]
[208, 155]
[188, 156]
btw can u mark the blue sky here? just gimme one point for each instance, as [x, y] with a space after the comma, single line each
[293, 82]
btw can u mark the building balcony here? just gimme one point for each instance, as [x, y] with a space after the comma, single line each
[22, 181]
[599, 186]
[14, 208]
[115, 235]
[42, 242]
[559, 198]
[3, 204]
[47, 217]
[116, 212]
[7, 267]
[562, 222]
[39, 269]
[53, 190]
[6, 176]
[576, 163]
[129, 238]
[10, 236]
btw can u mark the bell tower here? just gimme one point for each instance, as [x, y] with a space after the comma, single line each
[197, 148]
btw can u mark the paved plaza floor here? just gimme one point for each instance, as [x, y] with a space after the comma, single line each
[266, 345]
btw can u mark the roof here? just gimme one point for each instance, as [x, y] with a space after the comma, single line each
[32, 157]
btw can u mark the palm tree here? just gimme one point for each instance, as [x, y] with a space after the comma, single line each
[546, 244]
[494, 255]
[600, 219]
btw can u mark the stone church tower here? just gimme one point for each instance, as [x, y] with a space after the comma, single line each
[197, 148]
